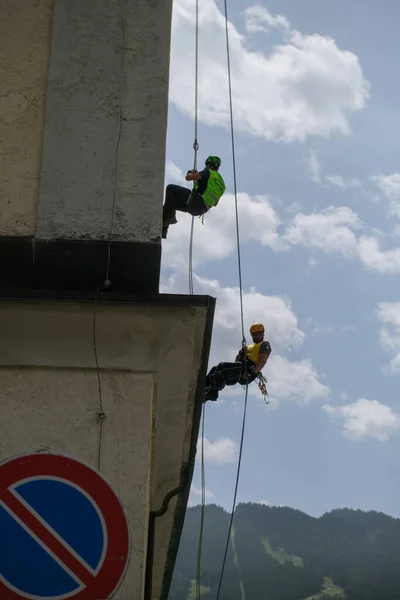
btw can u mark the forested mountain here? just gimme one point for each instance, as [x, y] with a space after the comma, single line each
[284, 554]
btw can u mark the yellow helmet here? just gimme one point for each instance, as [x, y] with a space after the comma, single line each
[257, 327]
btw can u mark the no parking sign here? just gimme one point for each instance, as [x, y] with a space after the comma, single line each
[63, 531]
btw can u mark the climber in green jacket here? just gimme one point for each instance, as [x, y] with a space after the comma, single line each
[207, 190]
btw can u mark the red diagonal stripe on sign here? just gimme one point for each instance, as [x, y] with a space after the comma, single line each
[46, 537]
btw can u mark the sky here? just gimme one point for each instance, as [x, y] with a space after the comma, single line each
[316, 124]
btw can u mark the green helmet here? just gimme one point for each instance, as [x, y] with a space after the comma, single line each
[213, 161]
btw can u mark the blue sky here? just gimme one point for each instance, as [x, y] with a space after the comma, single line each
[316, 126]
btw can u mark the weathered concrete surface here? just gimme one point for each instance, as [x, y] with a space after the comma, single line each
[25, 37]
[106, 119]
[149, 358]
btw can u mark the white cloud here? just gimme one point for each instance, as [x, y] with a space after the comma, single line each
[275, 312]
[317, 328]
[216, 239]
[258, 18]
[385, 261]
[340, 182]
[298, 381]
[333, 230]
[389, 315]
[316, 175]
[293, 208]
[366, 418]
[196, 494]
[389, 185]
[314, 167]
[305, 86]
[220, 452]
[329, 230]
[336, 180]
[173, 174]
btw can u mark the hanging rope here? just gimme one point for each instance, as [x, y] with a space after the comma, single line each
[203, 503]
[241, 299]
[234, 496]
[121, 75]
[196, 88]
[101, 414]
[195, 143]
[191, 291]
[191, 258]
[234, 171]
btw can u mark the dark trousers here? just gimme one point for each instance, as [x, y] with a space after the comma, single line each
[183, 199]
[228, 373]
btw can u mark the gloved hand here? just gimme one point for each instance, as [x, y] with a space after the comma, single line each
[193, 171]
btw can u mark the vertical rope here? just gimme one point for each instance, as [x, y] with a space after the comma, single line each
[191, 290]
[241, 298]
[203, 503]
[234, 171]
[195, 143]
[196, 88]
[101, 414]
[191, 258]
[121, 74]
[235, 494]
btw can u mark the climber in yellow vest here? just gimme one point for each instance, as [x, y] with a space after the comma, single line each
[248, 364]
[207, 190]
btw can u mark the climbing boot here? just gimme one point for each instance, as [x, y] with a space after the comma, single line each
[210, 394]
[170, 221]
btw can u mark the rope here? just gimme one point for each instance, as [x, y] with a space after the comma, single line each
[196, 87]
[101, 414]
[107, 280]
[235, 494]
[195, 143]
[203, 503]
[191, 291]
[191, 258]
[241, 297]
[234, 171]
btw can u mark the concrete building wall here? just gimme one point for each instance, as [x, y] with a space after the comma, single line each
[149, 357]
[25, 39]
[55, 409]
[106, 117]
[83, 119]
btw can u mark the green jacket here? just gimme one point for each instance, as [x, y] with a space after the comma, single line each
[215, 189]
